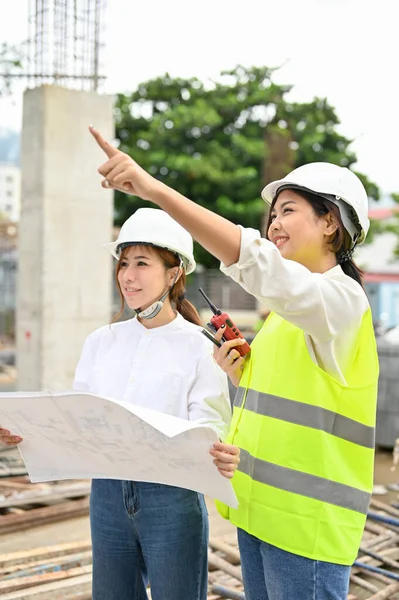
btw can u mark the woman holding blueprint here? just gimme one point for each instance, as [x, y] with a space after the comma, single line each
[148, 532]
[304, 414]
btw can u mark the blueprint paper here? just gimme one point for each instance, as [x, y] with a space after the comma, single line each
[77, 435]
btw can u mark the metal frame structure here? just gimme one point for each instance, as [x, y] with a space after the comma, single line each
[64, 44]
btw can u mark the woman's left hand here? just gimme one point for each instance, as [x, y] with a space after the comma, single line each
[226, 458]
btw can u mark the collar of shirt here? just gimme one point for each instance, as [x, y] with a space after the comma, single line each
[140, 329]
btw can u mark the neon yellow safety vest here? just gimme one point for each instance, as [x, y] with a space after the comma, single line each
[307, 445]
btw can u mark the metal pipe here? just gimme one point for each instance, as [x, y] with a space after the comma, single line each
[378, 570]
[384, 519]
[227, 592]
[380, 557]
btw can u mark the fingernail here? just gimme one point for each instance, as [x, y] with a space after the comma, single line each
[91, 126]
[222, 326]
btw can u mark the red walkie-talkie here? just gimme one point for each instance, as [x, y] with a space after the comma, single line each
[231, 331]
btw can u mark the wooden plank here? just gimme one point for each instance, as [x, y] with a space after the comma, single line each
[20, 583]
[46, 495]
[22, 479]
[363, 583]
[380, 557]
[386, 593]
[382, 541]
[46, 552]
[232, 553]
[391, 510]
[17, 485]
[48, 514]
[78, 588]
[63, 562]
[374, 528]
[219, 563]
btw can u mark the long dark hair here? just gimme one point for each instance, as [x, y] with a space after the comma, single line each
[340, 242]
[177, 294]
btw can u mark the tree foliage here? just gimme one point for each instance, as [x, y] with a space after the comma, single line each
[220, 143]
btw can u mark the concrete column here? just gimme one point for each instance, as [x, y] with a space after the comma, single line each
[64, 278]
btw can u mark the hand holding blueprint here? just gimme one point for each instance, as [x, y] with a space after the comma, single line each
[75, 435]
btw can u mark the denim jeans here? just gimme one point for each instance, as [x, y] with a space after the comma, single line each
[146, 532]
[273, 574]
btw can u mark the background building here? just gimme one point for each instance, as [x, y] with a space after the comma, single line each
[381, 266]
[10, 175]
[10, 191]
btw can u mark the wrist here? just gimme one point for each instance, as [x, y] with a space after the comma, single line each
[162, 194]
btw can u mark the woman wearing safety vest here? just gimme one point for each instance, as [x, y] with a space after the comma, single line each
[147, 532]
[304, 414]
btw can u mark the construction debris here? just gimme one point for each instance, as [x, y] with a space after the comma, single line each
[64, 571]
[11, 463]
[25, 505]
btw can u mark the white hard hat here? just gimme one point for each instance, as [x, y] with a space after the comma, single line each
[157, 228]
[337, 184]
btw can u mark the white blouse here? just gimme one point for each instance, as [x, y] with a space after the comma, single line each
[169, 369]
[328, 306]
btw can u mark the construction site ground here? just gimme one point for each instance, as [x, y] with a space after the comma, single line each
[76, 530]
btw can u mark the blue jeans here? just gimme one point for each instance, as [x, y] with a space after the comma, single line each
[273, 574]
[148, 533]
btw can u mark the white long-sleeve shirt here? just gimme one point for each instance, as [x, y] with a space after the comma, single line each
[169, 369]
[328, 306]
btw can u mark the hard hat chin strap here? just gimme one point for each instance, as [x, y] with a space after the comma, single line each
[154, 309]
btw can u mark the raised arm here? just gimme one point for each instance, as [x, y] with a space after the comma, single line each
[215, 233]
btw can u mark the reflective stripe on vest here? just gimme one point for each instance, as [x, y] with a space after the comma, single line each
[307, 444]
[308, 415]
[304, 484]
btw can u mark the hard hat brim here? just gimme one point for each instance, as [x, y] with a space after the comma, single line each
[270, 190]
[189, 262]
[269, 193]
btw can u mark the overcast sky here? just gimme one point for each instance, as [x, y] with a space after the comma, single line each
[345, 50]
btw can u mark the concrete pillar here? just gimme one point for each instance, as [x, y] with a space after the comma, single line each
[64, 277]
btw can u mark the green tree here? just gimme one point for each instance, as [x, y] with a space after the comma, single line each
[219, 144]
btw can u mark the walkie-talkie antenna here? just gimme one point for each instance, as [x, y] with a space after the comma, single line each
[214, 309]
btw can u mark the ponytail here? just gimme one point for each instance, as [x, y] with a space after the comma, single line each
[188, 310]
[350, 268]
[177, 294]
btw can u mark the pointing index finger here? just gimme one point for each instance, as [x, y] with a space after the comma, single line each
[109, 150]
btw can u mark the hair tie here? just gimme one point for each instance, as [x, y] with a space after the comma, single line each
[182, 297]
[346, 255]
